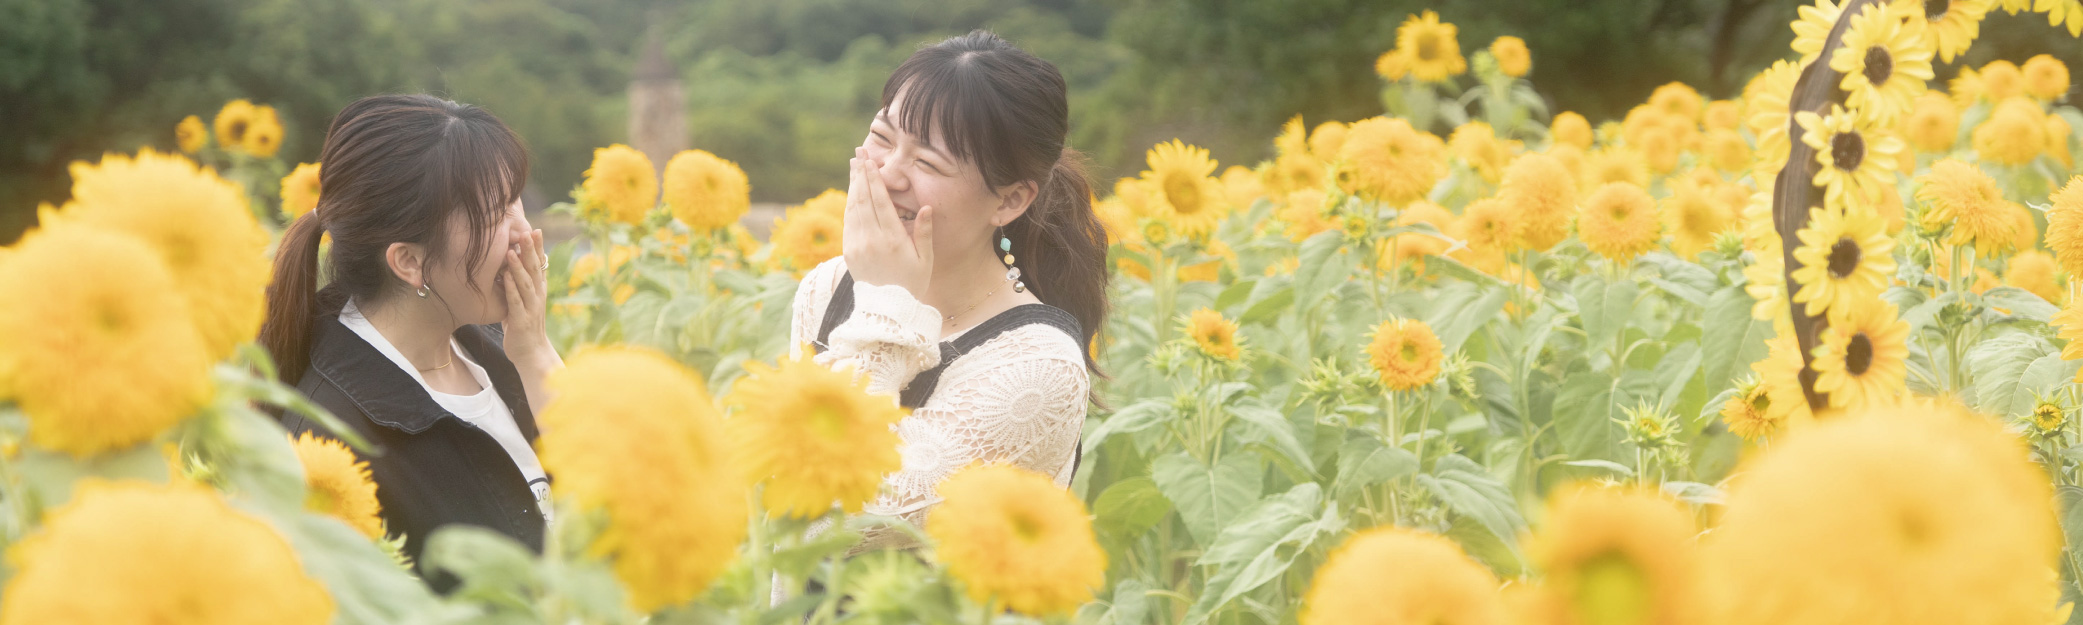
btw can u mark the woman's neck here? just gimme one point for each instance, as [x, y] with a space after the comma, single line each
[970, 287]
[420, 330]
[960, 280]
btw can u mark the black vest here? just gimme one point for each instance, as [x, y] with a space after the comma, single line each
[921, 387]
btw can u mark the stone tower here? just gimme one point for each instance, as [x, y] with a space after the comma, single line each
[657, 106]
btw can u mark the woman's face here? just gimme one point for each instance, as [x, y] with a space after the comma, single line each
[920, 173]
[451, 276]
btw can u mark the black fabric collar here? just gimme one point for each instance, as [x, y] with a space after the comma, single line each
[390, 397]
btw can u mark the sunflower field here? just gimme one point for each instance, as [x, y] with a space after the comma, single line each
[1809, 354]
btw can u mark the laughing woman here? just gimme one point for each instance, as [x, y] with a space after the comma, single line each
[974, 271]
[428, 337]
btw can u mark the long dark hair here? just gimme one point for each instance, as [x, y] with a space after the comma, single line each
[1008, 112]
[395, 169]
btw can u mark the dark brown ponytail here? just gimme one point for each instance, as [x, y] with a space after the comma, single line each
[1008, 111]
[394, 169]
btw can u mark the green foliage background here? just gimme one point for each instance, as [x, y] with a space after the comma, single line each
[781, 86]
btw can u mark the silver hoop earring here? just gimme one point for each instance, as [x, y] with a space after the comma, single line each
[422, 291]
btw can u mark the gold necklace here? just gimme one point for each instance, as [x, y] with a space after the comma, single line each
[980, 302]
[451, 361]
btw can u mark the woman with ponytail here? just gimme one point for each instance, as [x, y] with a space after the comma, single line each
[974, 270]
[427, 335]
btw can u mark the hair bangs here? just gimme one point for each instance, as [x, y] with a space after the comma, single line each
[949, 94]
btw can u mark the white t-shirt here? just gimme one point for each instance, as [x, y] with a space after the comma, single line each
[483, 409]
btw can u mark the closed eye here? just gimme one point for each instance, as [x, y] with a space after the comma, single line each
[880, 138]
[931, 166]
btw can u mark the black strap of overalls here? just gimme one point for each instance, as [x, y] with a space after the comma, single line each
[921, 387]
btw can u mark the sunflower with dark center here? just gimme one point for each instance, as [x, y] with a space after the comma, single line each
[1844, 259]
[1863, 357]
[1855, 156]
[1952, 25]
[1885, 60]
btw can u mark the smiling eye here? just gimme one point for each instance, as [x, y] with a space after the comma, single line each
[880, 138]
[929, 166]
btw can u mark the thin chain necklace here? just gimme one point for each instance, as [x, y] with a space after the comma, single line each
[979, 302]
[451, 360]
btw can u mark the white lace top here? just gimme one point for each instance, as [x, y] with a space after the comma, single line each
[1019, 398]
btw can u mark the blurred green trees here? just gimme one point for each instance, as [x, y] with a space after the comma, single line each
[784, 86]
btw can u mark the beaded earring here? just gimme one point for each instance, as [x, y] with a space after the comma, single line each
[1005, 245]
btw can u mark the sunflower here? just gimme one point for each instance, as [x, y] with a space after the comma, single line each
[2068, 325]
[104, 356]
[1476, 144]
[300, 191]
[705, 192]
[1411, 248]
[1214, 335]
[1619, 221]
[1765, 99]
[1693, 218]
[1015, 537]
[1951, 24]
[1812, 28]
[2002, 80]
[2060, 11]
[1392, 65]
[1909, 514]
[198, 223]
[1615, 164]
[1542, 196]
[1328, 139]
[2065, 226]
[806, 236]
[1406, 353]
[2046, 418]
[1487, 225]
[1659, 136]
[1863, 355]
[1728, 150]
[1845, 261]
[1780, 373]
[1303, 213]
[2046, 78]
[190, 135]
[1678, 100]
[814, 435]
[131, 552]
[2034, 271]
[1748, 413]
[1965, 200]
[1615, 555]
[1241, 187]
[1571, 129]
[620, 186]
[1723, 115]
[1184, 195]
[2014, 134]
[1429, 49]
[1392, 575]
[1386, 160]
[1853, 154]
[337, 484]
[1933, 124]
[232, 122]
[632, 434]
[264, 134]
[1512, 57]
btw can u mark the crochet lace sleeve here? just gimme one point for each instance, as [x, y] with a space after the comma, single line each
[890, 337]
[1019, 398]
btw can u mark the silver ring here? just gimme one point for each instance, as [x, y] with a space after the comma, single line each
[546, 266]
